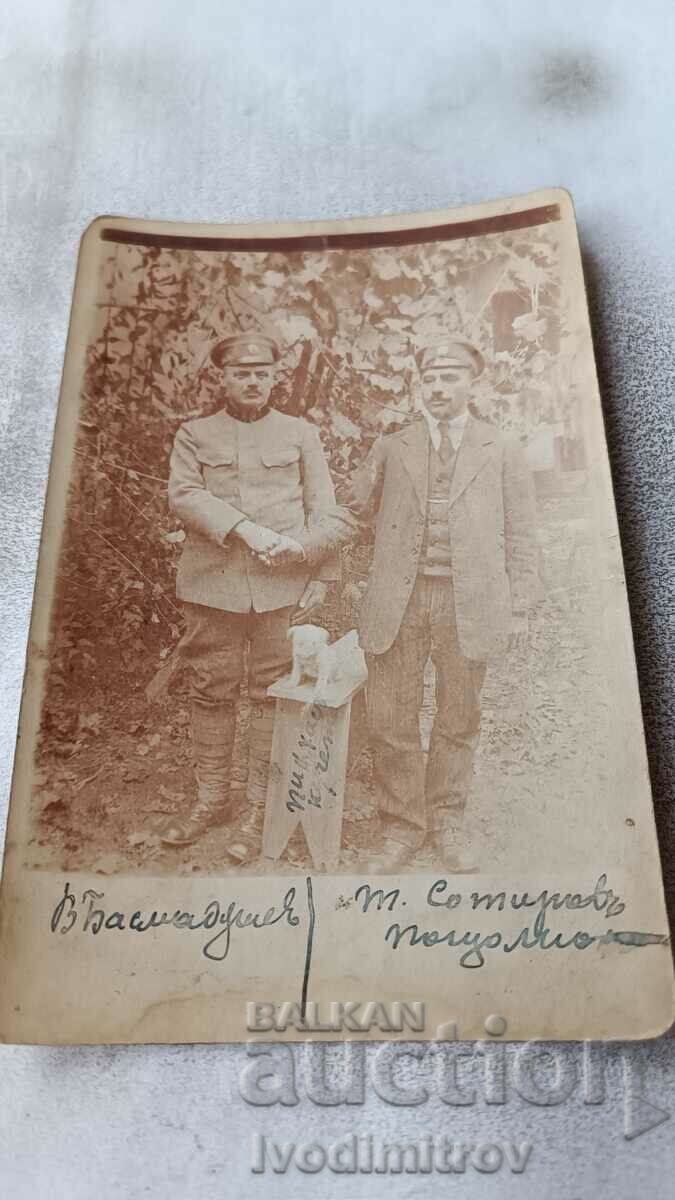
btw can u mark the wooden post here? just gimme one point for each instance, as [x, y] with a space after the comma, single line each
[309, 760]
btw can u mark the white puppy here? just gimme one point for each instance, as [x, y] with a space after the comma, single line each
[313, 658]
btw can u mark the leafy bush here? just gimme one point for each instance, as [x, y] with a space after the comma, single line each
[349, 323]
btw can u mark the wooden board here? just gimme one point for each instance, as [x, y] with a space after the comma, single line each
[307, 779]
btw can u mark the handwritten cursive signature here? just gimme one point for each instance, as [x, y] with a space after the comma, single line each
[85, 913]
[601, 900]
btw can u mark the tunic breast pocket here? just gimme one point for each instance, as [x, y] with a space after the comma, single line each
[219, 468]
[282, 465]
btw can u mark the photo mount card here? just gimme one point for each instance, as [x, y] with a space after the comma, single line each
[331, 724]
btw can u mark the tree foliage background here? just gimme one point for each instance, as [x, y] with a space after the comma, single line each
[349, 323]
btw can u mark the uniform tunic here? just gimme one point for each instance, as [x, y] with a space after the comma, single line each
[271, 471]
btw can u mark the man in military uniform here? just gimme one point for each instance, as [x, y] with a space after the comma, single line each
[452, 577]
[245, 481]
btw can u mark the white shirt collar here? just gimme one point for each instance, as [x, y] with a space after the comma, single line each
[455, 427]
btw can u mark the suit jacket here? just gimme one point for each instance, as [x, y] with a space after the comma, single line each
[491, 516]
[272, 471]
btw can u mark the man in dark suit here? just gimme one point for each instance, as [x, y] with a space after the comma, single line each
[244, 481]
[452, 575]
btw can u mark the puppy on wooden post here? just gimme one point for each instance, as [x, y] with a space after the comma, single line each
[313, 658]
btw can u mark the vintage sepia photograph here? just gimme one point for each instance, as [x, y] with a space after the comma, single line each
[330, 687]
[337, 504]
[327, 584]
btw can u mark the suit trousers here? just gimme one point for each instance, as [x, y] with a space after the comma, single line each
[214, 647]
[429, 796]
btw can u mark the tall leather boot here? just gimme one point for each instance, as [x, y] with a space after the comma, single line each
[213, 727]
[249, 833]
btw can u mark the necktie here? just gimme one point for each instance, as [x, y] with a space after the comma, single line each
[445, 448]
